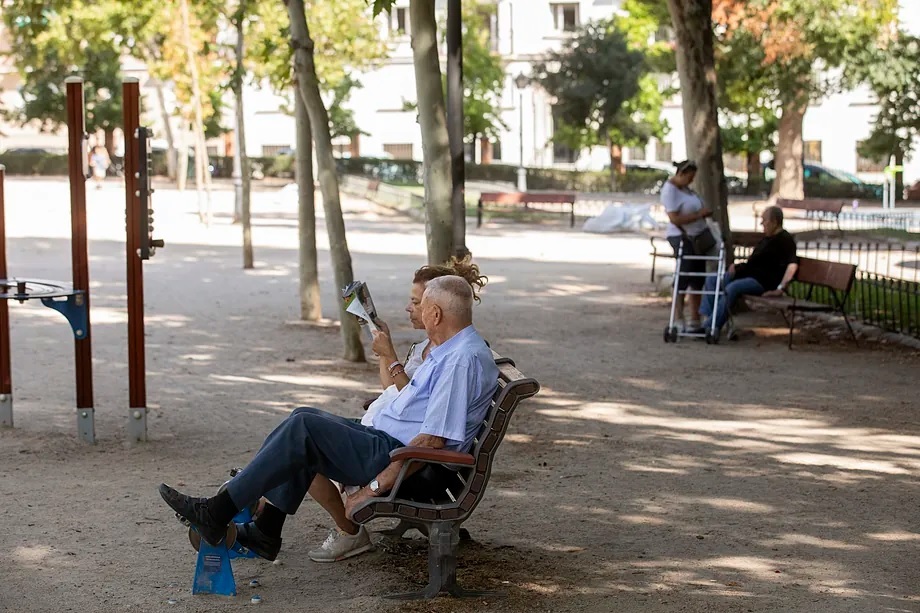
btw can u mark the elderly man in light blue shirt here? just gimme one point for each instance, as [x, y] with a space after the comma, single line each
[443, 406]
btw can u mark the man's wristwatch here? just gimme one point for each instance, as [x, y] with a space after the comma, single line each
[374, 486]
[781, 287]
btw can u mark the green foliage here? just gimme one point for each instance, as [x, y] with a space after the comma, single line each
[346, 41]
[483, 73]
[51, 40]
[893, 72]
[601, 83]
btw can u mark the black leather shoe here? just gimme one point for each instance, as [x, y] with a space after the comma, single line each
[249, 536]
[195, 511]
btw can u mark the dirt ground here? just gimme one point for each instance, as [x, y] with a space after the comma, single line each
[644, 477]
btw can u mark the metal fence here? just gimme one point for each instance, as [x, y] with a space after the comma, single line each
[886, 291]
[904, 221]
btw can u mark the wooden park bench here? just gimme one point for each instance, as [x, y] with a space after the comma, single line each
[527, 201]
[444, 493]
[822, 210]
[837, 278]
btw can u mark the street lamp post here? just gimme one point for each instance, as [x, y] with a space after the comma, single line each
[521, 81]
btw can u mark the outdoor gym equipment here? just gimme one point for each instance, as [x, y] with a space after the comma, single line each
[76, 298]
[140, 246]
[73, 300]
[213, 572]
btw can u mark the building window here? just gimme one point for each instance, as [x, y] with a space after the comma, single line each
[663, 152]
[864, 164]
[399, 151]
[497, 149]
[562, 154]
[565, 16]
[636, 154]
[813, 150]
[399, 21]
[273, 150]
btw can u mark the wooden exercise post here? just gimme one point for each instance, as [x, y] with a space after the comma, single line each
[6, 379]
[77, 169]
[137, 375]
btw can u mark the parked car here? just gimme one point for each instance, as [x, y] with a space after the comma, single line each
[824, 182]
[29, 150]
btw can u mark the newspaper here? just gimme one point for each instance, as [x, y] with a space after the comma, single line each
[359, 303]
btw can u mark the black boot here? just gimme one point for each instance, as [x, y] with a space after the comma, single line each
[196, 511]
[249, 536]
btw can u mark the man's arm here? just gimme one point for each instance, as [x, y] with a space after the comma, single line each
[788, 276]
[387, 477]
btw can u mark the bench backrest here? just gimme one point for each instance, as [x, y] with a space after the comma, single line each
[527, 197]
[834, 275]
[813, 204]
[456, 494]
[513, 387]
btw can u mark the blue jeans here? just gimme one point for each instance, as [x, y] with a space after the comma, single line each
[307, 443]
[732, 289]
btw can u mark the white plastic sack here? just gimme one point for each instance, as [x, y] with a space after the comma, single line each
[620, 217]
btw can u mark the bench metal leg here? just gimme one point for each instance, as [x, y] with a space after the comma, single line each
[850, 328]
[791, 327]
[443, 542]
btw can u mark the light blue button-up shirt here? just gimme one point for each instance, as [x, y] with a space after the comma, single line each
[448, 396]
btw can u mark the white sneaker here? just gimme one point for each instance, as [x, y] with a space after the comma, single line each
[341, 545]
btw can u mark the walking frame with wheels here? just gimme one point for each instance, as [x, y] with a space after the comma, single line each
[672, 332]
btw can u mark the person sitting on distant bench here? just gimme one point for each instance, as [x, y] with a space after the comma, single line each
[767, 272]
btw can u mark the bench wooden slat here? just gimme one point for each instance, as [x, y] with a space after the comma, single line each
[835, 276]
[825, 205]
[525, 199]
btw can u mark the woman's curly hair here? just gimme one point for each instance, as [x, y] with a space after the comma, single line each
[455, 266]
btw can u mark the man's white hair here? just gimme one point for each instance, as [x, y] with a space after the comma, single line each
[453, 294]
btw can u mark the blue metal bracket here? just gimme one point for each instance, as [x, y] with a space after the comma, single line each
[213, 572]
[73, 308]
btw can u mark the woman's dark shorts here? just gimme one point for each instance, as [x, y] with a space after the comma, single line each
[686, 265]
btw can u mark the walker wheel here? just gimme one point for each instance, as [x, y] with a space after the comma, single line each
[194, 537]
[667, 334]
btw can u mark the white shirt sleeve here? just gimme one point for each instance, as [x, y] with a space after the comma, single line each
[670, 198]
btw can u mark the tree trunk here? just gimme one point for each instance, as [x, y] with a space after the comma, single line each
[202, 176]
[242, 179]
[455, 125]
[310, 307]
[692, 23]
[899, 176]
[182, 161]
[485, 150]
[616, 165]
[308, 88]
[754, 173]
[354, 146]
[167, 130]
[790, 174]
[109, 136]
[439, 226]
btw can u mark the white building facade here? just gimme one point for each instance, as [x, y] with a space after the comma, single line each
[522, 32]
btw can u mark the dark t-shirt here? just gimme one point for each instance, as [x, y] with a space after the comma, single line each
[768, 262]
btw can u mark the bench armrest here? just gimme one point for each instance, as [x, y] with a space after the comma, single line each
[427, 454]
